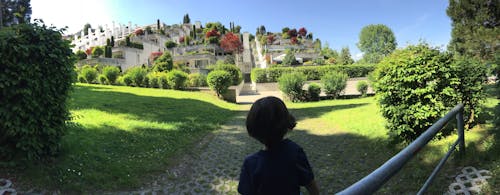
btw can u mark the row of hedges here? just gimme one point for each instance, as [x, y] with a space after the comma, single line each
[265, 75]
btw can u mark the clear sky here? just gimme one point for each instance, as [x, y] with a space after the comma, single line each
[337, 22]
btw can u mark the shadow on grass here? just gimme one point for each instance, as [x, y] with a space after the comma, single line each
[338, 161]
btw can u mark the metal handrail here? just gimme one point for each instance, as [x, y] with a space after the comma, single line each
[372, 182]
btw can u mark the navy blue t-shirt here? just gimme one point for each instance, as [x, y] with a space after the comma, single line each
[280, 170]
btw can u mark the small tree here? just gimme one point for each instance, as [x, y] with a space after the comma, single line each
[111, 73]
[231, 43]
[233, 70]
[170, 44]
[137, 75]
[219, 81]
[97, 52]
[345, 56]
[89, 73]
[334, 83]
[81, 55]
[289, 58]
[291, 85]
[186, 19]
[362, 87]
[176, 79]
[163, 63]
[313, 91]
[303, 32]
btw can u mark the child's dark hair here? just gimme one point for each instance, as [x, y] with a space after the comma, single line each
[269, 120]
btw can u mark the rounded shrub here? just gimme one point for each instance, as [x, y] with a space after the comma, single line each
[127, 80]
[334, 83]
[177, 79]
[89, 73]
[111, 73]
[362, 87]
[35, 81]
[232, 69]
[81, 79]
[313, 91]
[102, 79]
[137, 75]
[162, 81]
[197, 80]
[416, 86]
[291, 85]
[153, 79]
[219, 81]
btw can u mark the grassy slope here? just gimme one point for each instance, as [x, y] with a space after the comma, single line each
[359, 128]
[121, 135]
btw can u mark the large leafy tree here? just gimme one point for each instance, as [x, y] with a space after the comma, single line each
[231, 43]
[376, 41]
[14, 12]
[475, 31]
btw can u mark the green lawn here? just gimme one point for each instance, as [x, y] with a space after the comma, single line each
[347, 140]
[121, 137]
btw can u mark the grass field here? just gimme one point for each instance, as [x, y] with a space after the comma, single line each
[121, 137]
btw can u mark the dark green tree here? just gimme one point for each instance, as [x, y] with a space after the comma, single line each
[345, 56]
[85, 28]
[186, 19]
[80, 55]
[14, 12]
[34, 110]
[376, 41]
[112, 44]
[475, 31]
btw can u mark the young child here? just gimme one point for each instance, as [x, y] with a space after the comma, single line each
[282, 167]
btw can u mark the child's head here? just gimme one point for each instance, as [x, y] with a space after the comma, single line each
[268, 120]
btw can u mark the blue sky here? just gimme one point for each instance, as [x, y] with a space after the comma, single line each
[337, 22]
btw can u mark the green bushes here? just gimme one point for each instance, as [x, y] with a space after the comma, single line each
[313, 91]
[35, 80]
[102, 79]
[197, 80]
[89, 74]
[311, 72]
[111, 73]
[137, 75]
[176, 79]
[417, 85]
[232, 69]
[291, 85]
[334, 83]
[362, 87]
[219, 81]
[153, 78]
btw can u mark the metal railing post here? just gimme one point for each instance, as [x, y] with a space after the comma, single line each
[460, 129]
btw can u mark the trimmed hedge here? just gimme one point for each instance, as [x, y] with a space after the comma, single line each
[267, 75]
[35, 81]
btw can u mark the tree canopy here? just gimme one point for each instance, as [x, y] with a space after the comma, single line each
[231, 43]
[376, 41]
[14, 12]
[345, 56]
[475, 28]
